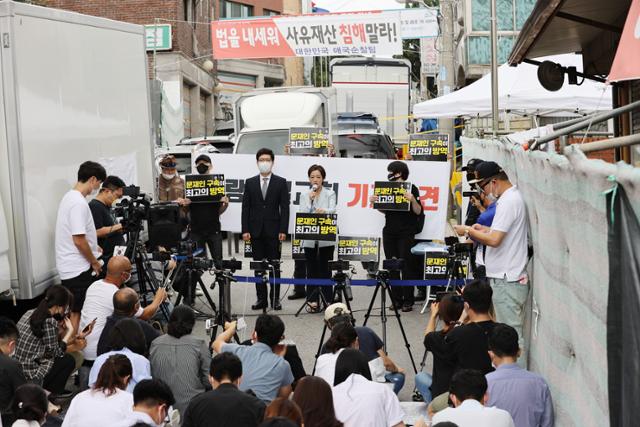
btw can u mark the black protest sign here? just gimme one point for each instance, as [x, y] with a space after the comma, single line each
[435, 265]
[297, 251]
[391, 195]
[364, 249]
[204, 188]
[316, 226]
[309, 141]
[431, 147]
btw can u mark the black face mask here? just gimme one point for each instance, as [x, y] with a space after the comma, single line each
[58, 317]
[392, 177]
[202, 168]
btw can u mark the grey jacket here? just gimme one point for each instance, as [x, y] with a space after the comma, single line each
[325, 200]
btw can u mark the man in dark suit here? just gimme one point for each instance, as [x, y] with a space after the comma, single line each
[265, 221]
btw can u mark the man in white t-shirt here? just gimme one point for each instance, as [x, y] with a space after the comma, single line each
[76, 243]
[98, 305]
[469, 393]
[506, 255]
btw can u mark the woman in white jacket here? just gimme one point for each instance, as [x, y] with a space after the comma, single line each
[317, 253]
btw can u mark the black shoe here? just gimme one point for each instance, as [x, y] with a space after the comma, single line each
[277, 306]
[297, 295]
[407, 307]
[421, 296]
[259, 305]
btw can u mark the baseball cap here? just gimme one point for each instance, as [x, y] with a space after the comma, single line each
[168, 161]
[471, 165]
[486, 170]
[203, 157]
[336, 309]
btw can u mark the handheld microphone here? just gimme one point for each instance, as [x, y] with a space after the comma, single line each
[314, 187]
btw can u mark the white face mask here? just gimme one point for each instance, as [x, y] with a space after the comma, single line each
[492, 197]
[264, 166]
[168, 175]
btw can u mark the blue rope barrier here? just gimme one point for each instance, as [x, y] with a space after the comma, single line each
[355, 282]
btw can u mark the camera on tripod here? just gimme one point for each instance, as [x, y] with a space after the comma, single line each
[393, 264]
[339, 266]
[264, 265]
[231, 264]
[134, 210]
[456, 248]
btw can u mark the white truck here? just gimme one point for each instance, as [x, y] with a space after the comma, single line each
[375, 85]
[263, 116]
[73, 88]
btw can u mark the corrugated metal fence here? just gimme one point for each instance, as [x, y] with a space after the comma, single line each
[569, 272]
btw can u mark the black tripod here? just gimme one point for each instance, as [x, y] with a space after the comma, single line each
[382, 278]
[223, 279]
[187, 291]
[342, 290]
[147, 280]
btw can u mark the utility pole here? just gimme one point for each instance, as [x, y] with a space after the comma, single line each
[446, 83]
[446, 72]
[495, 115]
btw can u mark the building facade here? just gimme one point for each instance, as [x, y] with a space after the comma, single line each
[237, 76]
[180, 62]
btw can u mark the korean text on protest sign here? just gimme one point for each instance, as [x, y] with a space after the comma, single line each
[431, 147]
[307, 141]
[204, 188]
[391, 195]
[364, 249]
[316, 226]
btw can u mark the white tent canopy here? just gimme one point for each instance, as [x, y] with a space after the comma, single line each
[520, 92]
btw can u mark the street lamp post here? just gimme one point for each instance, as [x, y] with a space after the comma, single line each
[494, 70]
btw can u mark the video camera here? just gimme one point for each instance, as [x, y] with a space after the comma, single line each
[339, 266]
[134, 210]
[456, 248]
[474, 193]
[264, 265]
[393, 264]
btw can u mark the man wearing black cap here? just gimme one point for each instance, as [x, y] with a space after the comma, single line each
[506, 240]
[205, 216]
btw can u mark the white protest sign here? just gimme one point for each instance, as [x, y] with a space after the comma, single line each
[351, 179]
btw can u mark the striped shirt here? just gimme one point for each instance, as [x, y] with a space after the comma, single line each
[183, 363]
[37, 354]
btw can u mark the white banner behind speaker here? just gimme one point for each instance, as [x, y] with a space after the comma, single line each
[351, 179]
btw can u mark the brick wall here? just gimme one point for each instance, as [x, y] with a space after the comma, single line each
[145, 12]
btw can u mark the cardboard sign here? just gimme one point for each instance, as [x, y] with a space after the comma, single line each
[204, 188]
[391, 195]
[431, 147]
[316, 226]
[364, 249]
[309, 141]
[435, 265]
[297, 251]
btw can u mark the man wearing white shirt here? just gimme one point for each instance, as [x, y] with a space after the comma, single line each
[76, 242]
[151, 402]
[506, 241]
[468, 391]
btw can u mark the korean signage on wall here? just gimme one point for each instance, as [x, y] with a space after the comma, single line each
[367, 34]
[158, 37]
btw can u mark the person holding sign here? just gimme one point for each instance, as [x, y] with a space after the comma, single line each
[318, 253]
[205, 216]
[398, 234]
[265, 221]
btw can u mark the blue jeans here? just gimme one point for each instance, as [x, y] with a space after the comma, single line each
[423, 384]
[397, 379]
